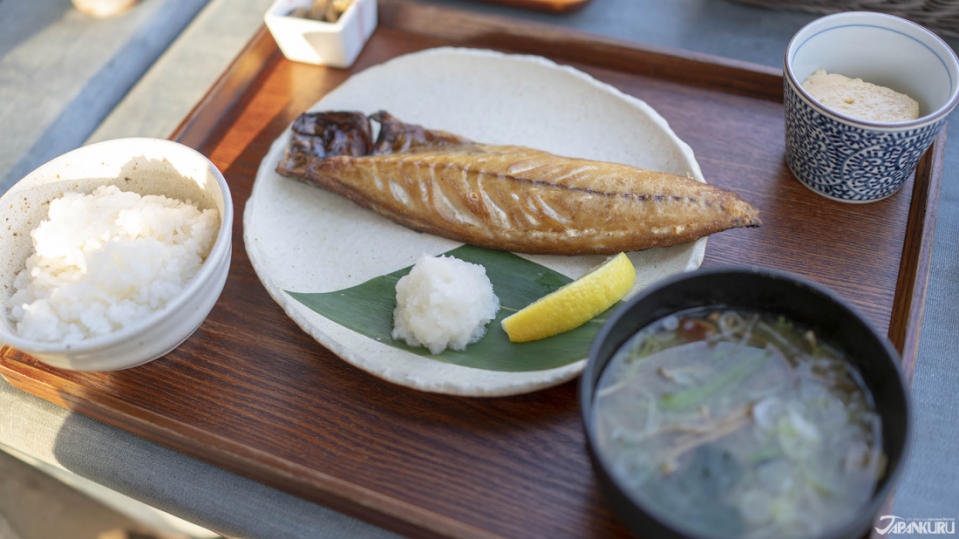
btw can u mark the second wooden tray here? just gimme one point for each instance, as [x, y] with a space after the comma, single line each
[252, 393]
[555, 6]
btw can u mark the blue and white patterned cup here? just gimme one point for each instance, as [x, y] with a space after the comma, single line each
[852, 160]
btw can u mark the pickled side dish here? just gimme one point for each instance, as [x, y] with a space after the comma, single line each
[322, 10]
[737, 423]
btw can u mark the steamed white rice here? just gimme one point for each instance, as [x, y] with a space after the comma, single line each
[106, 260]
[443, 302]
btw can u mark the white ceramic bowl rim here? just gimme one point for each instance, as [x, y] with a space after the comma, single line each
[928, 118]
[198, 280]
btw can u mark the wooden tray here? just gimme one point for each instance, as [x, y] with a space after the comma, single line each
[252, 393]
[555, 6]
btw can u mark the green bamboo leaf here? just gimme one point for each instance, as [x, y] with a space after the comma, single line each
[368, 309]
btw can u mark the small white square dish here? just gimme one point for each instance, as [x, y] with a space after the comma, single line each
[334, 44]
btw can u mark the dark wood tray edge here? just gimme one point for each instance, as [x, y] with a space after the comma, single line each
[203, 119]
[910, 298]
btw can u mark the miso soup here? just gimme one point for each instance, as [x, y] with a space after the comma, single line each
[735, 423]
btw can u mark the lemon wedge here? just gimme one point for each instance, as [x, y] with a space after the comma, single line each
[574, 304]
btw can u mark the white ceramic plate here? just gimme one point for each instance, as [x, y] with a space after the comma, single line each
[305, 239]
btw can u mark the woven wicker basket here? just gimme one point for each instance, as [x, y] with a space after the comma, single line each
[940, 16]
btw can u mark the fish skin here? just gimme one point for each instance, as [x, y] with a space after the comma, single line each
[520, 199]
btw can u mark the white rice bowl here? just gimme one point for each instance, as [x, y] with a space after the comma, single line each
[105, 260]
[139, 165]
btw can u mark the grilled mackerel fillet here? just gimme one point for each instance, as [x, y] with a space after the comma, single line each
[503, 197]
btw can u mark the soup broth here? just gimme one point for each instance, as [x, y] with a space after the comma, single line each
[737, 423]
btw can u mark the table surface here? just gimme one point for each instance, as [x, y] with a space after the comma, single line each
[175, 81]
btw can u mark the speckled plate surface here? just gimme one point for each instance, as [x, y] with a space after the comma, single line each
[305, 239]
